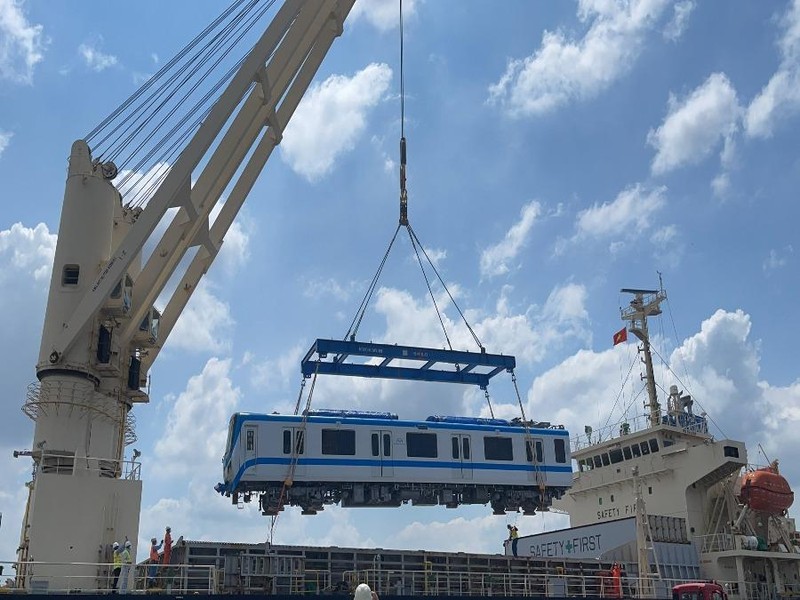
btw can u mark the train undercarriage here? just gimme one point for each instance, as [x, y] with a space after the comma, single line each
[312, 497]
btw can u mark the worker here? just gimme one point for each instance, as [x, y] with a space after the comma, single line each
[116, 558]
[616, 580]
[127, 560]
[152, 568]
[513, 537]
[167, 542]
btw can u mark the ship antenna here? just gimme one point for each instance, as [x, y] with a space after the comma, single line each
[645, 303]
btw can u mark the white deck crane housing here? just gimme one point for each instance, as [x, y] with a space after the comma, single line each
[102, 332]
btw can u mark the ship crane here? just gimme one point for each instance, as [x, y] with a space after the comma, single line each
[102, 332]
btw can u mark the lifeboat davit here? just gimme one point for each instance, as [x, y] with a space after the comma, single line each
[765, 490]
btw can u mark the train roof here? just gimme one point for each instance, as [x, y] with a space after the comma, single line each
[432, 422]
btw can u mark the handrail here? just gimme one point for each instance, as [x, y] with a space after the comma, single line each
[97, 578]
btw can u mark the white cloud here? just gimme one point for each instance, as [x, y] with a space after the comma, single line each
[94, 58]
[495, 259]
[382, 14]
[13, 497]
[194, 436]
[26, 256]
[280, 372]
[778, 258]
[330, 287]
[27, 250]
[721, 185]
[235, 250]
[204, 325]
[564, 70]
[22, 45]
[631, 209]
[5, 140]
[780, 97]
[694, 127]
[680, 18]
[722, 364]
[330, 118]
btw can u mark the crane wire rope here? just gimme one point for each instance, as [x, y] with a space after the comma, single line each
[177, 80]
[362, 308]
[132, 135]
[416, 244]
[530, 445]
[181, 124]
[157, 76]
[297, 447]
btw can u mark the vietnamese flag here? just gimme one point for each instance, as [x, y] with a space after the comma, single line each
[621, 336]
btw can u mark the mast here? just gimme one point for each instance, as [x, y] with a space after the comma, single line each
[645, 303]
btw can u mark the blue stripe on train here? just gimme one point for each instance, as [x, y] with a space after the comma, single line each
[412, 464]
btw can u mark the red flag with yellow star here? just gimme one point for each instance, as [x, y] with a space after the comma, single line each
[621, 336]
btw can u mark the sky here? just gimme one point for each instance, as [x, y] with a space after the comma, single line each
[557, 152]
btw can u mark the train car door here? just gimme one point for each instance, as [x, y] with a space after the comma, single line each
[250, 443]
[381, 443]
[294, 448]
[461, 445]
[535, 455]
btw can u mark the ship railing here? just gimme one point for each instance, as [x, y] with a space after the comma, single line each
[716, 542]
[627, 426]
[67, 463]
[40, 577]
[428, 582]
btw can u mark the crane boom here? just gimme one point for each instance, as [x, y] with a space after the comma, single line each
[99, 340]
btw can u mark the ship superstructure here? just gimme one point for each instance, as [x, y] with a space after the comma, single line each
[742, 534]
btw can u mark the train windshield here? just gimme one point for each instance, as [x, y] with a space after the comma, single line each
[230, 439]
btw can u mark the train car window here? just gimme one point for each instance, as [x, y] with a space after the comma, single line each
[615, 456]
[456, 447]
[653, 445]
[465, 448]
[375, 445]
[626, 452]
[635, 451]
[497, 448]
[251, 440]
[561, 451]
[645, 448]
[298, 441]
[287, 441]
[339, 441]
[421, 445]
[539, 451]
[387, 444]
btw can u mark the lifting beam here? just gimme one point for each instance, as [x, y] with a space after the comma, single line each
[327, 357]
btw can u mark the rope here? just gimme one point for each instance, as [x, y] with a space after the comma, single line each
[489, 402]
[402, 79]
[153, 125]
[297, 446]
[529, 442]
[446, 289]
[430, 290]
[359, 316]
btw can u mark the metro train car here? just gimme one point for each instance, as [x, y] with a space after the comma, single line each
[375, 459]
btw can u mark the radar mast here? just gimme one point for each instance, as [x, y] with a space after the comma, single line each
[645, 303]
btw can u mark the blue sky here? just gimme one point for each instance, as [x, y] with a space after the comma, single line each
[558, 151]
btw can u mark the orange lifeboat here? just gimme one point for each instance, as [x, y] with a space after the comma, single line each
[766, 490]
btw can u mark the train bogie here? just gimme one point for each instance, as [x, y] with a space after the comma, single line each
[366, 459]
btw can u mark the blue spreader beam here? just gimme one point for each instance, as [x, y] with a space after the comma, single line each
[329, 357]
